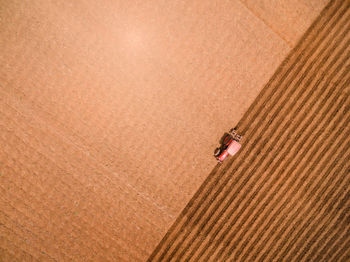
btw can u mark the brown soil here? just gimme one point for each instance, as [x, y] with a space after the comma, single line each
[285, 196]
[109, 115]
[289, 19]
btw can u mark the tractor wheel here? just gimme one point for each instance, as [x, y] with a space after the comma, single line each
[226, 139]
[217, 152]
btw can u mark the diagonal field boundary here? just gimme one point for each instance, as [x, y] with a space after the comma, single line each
[285, 196]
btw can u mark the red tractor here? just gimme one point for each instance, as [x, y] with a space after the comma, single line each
[229, 145]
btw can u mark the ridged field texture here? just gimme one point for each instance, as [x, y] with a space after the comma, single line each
[285, 196]
[101, 104]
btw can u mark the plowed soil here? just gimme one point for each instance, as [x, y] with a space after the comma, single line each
[286, 195]
[110, 112]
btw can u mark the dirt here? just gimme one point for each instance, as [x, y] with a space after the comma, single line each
[109, 114]
[285, 196]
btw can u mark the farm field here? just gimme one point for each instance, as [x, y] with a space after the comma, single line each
[285, 196]
[110, 112]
